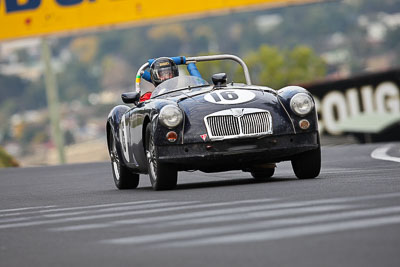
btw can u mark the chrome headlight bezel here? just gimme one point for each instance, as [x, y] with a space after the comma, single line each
[301, 104]
[170, 116]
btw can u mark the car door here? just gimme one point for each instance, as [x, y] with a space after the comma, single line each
[135, 143]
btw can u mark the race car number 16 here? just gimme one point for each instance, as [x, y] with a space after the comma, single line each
[229, 97]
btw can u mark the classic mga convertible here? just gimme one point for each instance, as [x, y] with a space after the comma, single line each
[184, 124]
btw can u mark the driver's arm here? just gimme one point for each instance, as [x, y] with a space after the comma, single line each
[145, 97]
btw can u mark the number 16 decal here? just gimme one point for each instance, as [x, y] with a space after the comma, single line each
[229, 97]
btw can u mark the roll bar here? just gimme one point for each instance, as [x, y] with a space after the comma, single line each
[189, 60]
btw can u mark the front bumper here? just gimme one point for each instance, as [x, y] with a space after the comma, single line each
[236, 154]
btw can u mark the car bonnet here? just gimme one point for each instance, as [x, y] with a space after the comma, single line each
[198, 106]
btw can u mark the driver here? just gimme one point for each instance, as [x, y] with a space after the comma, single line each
[161, 69]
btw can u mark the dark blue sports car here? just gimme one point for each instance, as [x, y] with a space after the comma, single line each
[189, 124]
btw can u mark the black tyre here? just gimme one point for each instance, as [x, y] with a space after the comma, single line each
[123, 177]
[261, 175]
[162, 176]
[308, 164]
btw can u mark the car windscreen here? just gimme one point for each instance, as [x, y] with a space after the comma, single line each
[179, 85]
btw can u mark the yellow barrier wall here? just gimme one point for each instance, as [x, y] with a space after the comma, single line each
[24, 18]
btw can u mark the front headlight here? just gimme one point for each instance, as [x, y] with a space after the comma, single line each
[170, 116]
[301, 104]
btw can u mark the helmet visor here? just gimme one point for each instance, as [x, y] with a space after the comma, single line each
[164, 74]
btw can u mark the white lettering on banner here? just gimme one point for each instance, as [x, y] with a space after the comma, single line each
[387, 93]
[337, 106]
[352, 102]
[318, 109]
[367, 99]
[334, 102]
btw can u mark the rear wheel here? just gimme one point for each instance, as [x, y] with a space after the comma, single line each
[162, 176]
[123, 177]
[261, 175]
[307, 165]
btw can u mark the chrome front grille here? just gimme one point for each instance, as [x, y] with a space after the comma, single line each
[223, 125]
[238, 123]
[255, 123]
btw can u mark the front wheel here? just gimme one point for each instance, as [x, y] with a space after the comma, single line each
[307, 165]
[123, 177]
[162, 176]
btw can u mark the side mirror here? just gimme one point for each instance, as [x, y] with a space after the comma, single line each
[130, 98]
[219, 79]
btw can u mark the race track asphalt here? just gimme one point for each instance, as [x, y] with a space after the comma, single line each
[73, 215]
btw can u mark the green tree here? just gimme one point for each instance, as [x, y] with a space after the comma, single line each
[277, 68]
[304, 65]
[271, 67]
[267, 66]
[232, 69]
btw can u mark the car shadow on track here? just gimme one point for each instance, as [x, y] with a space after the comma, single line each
[220, 183]
[232, 182]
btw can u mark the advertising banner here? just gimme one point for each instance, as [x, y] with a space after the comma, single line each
[25, 18]
[366, 105]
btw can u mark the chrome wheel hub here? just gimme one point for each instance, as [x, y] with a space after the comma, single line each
[115, 161]
[151, 158]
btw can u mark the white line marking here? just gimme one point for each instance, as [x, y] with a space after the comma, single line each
[188, 215]
[358, 171]
[83, 207]
[27, 208]
[162, 218]
[9, 220]
[291, 232]
[184, 205]
[42, 213]
[175, 208]
[82, 227]
[246, 227]
[381, 153]
[13, 214]
[115, 209]
[106, 205]
[252, 215]
[241, 213]
[132, 206]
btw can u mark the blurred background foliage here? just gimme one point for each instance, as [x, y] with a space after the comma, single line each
[6, 160]
[271, 66]
[275, 43]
